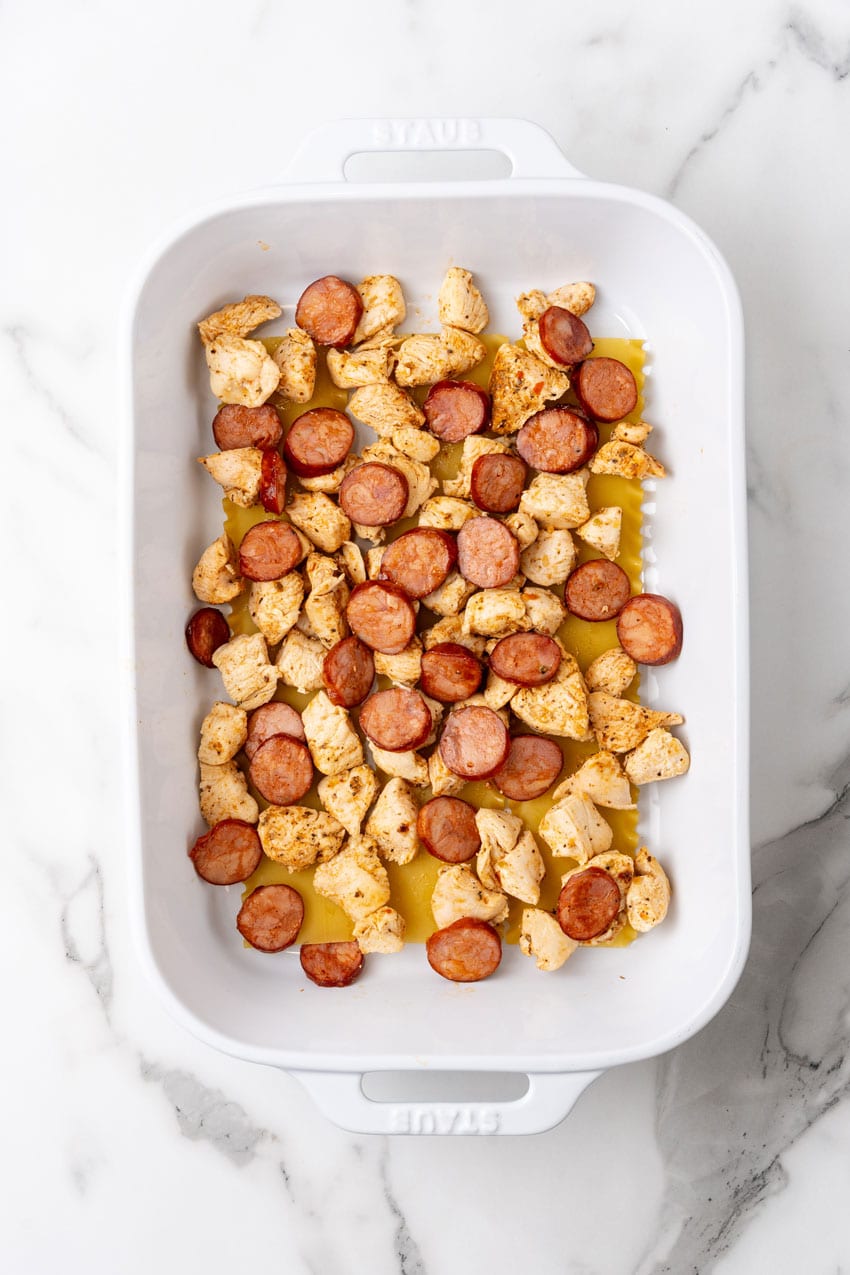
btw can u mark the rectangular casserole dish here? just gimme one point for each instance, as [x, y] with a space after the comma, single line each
[659, 278]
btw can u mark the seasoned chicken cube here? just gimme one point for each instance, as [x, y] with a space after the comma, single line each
[544, 611]
[417, 444]
[403, 668]
[216, 578]
[531, 304]
[575, 297]
[521, 385]
[348, 794]
[458, 893]
[224, 794]
[274, 605]
[660, 756]
[460, 303]
[239, 318]
[575, 829]
[499, 831]
[494, 613]
[297, 836]
[602, 779]
[355, 879]
[648, 896]
[333, 742]
[626, 461]
[223, 732]
[542, 937]
[602, 531]
[450, 629]
[521, 869]
[295, 357]
[376, 534]
[559, 707]
[241, 371]
[325, 605]
[550, 558]
[620, 725]
[320, 519]
[350, 369]
[238, 471]
[333, 481]
[249, 678]
[444, 782]
[299, 662]
[385, 408]
[383, 305]
[380, 931]
[451, 596]
[612, 671]
[350, 559]
[464, 351]
[634, 432]
[498, 692]
[557, 500]
[392, 823]
[373, 562]
[523, 527]
[408, 765]
[474, 445]
[420, 481]
[428, 357]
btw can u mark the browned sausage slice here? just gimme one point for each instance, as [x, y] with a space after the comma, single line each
[275, 718]
[228, 853]
[269, 550]
[373, 494]
[533, 765]
[281, 769]
[396, 720]
[606, 389]
[348, 671]
[450, 672]
[206, 631]
[563, 336]
[331, 964]
[588, 904]
[597, 590]
[649, 628]
[487, 553]
[329, 311]
[455, 409]
[382, 616]
[272, 482]
[496, 483]
[236, 426]
[466, 951]
[419, 560]
[475, 742]
[557, 440]
[527, 658]
[271, 917]
[318, 442]
[447, 829]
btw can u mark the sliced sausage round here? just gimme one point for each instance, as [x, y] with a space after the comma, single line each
[588, 904]
[557, 440]
[318, 442]
[271, 917]
[373, 494]
[281, 769]
[419, 560]
[269, 550]
[272, 482]
[649, 629]
[533, 765]
[331, 964]
[475, 742]
[496, 482]
[487, 553]
[348, 671]
[237, 426]
[597, 590]
[466, 951]
[329, 311]
[274, 718]
[206, 631]
[606, 389]
[456, 409]
[382, 616]
[530, 659]
[447, 829]
[228, 853]
[563, 336]
[450, 672]
[396, 720]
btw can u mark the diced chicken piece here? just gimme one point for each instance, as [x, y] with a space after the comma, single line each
[223, 732]
[295, 357]
[348, 794]
[326, 602]
[451, 596]
[559, 707]
[333, 742]
[602, 531]
[274, 605]
[458, 892]
[542, 937]
[428, 357]
[373, 562]
[376, 534]
[385, 408]
[420, 481]
[249, 678]
[460, 303]
[238, 471]
[450, 629]
[648, 896]
[331, 482]
[350, 559]
[392, 823]
[415, 443]
[355, 879]
[444, 782]
[574, 829]
[224, 794]
[626, 461]
[474, 445]
[660, 756]
[297, 836]
[383, 305]
[350, 369]
[495, 613]
[216, 578]
[575, 297]
[634, 432]
[521, 870]
[299, 662]
[446, 513]
[241, 371]
[464, 350]
[544, 611]
[620, 725]
[239, 318]
[320, 519]
[499, 831]
[408, 765]
[551, 557]
[523, 526]
[403, 668]
[613, 671]
[381, 931]
[557, 500]
[521, 385]
[602, 779]
[531, 304]
[498, 692]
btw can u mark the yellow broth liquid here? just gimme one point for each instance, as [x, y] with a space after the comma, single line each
[412, 884]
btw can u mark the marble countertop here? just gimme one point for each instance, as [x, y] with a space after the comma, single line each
[128, 1145]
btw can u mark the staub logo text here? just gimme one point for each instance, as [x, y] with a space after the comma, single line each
[425, 133]
[444, 1120]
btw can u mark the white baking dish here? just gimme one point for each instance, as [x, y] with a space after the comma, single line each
[659, 278]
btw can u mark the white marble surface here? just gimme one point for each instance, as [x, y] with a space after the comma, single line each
[130, 1147]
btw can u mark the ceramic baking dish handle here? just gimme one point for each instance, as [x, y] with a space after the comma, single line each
[549, 1098]
[322, 155]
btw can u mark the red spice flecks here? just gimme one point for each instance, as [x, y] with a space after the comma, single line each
[538, 389]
